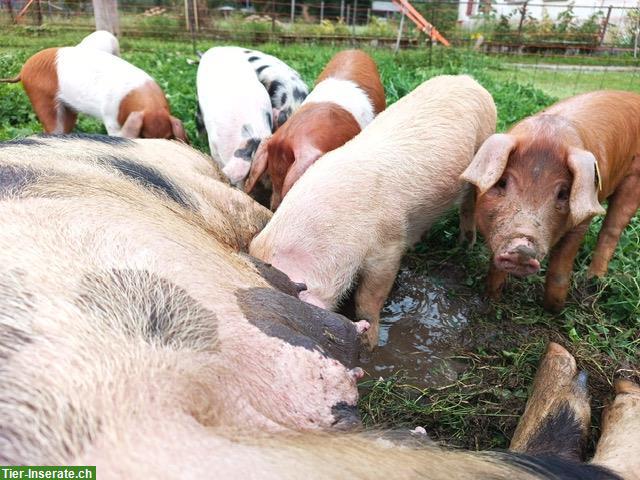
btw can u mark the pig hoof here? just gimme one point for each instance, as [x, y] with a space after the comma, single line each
[300, 287]
[356, 373]
[553, 305]
[362, 326]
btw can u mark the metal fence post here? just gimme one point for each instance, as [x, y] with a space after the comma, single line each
[293, 10]
[322, 11]
[348, 12]
[341, 10]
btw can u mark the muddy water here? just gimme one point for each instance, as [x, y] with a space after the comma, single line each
[422, 325]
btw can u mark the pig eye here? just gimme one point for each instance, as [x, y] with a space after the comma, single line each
[563, 194]
[502, 183]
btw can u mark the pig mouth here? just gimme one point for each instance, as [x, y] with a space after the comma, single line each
[519, 259]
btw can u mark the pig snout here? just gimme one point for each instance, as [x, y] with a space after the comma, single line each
[237, 170]
[518, 258]
[346, 417]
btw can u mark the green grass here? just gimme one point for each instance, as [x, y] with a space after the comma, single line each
[600, 324]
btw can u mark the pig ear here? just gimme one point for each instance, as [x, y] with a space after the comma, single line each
[583, 201]
[178, 129]
[132, 125]
[258, 165]
[487, 166]
[304, 158]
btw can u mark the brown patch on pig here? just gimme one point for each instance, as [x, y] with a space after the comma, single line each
[150, 99]
[300, 324]
[39, 77]
[358, 67]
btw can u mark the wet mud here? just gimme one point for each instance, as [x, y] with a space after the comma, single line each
[424, 322]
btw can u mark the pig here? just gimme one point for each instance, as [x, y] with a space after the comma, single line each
[539, 185]
[101, 40]
[145, 400]
[62, 82]
[286, 88]
[235, 109]
[121, 279]
[347, 96]
[355, 212]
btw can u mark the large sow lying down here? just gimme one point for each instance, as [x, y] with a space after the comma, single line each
[127, 306]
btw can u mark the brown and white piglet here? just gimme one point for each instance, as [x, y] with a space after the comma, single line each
[540, 184]
[347, 96]
[62, 82]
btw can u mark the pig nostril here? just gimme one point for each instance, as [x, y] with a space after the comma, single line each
[524, 251]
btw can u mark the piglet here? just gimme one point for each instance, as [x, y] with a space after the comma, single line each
[347, 96]
[235, 109]
[62, 82]
[286, 89]
[101, 40]
[357, 210]
[539, 185]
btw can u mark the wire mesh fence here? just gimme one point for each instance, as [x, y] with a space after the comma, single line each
[562, 48]
[496, 27]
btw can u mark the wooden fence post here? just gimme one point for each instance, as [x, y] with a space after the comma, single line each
[106, 16]
[399, 31]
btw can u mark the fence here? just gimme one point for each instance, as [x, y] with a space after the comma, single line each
[528, 28]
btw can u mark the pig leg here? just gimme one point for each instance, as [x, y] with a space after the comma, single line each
[495, 282]
[623, 205]
[557, 416]
[618, 445]
[48, 111]
[376, 279]
[66, 119]
[560, 267]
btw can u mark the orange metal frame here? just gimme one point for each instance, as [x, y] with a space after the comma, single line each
[420, 21]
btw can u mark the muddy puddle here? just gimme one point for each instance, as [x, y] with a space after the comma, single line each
[422, 327]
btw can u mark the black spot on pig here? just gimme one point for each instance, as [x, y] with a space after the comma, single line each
[283, 98]
[22, 142]
[253, 58]
[300, 324]
[144, 305]
[261, 68]
[14, 179]
[283, 116]
[276, 278]
[248, 51]
[560, 434]
[299, 95]
[274, 87]
[202, 130]
[552, 467]
[246, 152]
[345, 416]
[148, 177]
[102, 139]
[269, 117]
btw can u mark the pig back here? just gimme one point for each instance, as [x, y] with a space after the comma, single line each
[608, 125]
[403, 167]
